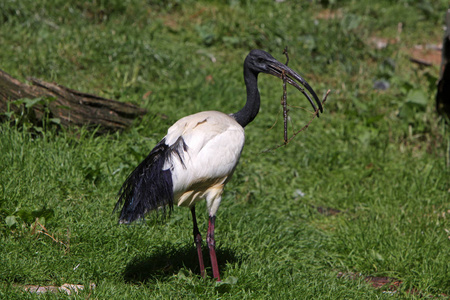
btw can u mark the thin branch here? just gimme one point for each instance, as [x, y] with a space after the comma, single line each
[284, 99]
[45, 232]
[285, 110]
[285, 52]
[304, 127]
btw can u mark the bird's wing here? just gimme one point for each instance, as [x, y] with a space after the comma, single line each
[148, 187]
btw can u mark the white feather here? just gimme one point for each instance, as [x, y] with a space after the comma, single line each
[214, 144]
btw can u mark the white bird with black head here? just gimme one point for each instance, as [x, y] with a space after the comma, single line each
[198, 156]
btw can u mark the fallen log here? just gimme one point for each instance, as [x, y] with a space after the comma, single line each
[71, 107]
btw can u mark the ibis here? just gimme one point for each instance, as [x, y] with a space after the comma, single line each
[198, 156]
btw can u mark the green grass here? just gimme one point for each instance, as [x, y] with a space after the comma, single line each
[380, 157]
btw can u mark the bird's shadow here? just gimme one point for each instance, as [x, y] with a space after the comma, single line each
[169, 259]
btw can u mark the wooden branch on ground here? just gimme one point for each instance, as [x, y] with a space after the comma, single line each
[71, 107]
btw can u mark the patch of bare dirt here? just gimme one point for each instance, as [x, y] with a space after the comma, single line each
[429, 54]
[390, 284]
[328, 14]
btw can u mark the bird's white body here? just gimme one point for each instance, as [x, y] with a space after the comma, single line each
[214, 143]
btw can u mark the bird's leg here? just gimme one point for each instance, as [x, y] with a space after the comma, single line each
[212, 247]
[198, 243]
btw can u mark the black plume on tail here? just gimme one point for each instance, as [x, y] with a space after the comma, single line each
[149, 187]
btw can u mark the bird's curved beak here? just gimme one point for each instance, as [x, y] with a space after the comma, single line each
[276, 68]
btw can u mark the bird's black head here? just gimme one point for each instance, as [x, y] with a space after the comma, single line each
[259, 61]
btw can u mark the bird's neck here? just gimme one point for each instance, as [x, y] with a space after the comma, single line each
[251, 108]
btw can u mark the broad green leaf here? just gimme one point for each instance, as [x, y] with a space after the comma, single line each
[10, 221]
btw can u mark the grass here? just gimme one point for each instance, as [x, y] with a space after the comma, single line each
[379, 157]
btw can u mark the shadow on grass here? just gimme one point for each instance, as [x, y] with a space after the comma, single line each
[168, 259]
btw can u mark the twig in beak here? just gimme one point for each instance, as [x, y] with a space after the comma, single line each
[303, 128]
[284, 99]
[285, 110]
[285, 52]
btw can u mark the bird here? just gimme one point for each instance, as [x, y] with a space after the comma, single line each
[199, 155]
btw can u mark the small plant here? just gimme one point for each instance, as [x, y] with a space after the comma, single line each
[25, 116]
